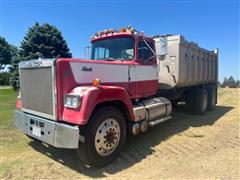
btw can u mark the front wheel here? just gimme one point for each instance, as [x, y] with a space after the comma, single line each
[104, 137]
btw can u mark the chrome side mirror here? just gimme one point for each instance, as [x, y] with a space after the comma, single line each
[161, 47]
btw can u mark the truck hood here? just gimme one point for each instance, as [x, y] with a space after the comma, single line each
[84, 71]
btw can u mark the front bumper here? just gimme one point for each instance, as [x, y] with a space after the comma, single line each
[51, 132]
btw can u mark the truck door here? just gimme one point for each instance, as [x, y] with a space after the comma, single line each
[144, 74]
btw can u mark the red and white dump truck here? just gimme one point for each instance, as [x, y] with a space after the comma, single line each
[127, 85]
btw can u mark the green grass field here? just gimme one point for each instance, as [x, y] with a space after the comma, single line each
[188, 146]
[7, 104]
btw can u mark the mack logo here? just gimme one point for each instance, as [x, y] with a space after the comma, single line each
[84, 68]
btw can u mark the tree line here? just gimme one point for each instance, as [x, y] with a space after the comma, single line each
[230, 82]
[44, 41]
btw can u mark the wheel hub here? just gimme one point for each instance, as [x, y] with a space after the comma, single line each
[107, 137]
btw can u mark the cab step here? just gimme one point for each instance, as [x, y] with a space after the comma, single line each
[158, 121]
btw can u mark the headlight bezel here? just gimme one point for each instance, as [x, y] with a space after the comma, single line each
[72, 96]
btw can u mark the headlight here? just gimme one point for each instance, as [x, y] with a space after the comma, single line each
[68, 101]
[72, 100]
[75, 101]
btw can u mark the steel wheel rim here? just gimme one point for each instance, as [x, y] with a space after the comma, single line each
[107, 137]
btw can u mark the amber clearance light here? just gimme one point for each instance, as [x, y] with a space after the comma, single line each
[96, 82]
[123, 30]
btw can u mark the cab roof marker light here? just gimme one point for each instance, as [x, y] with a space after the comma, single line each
[112, 30]
[99, 33]
[105, 31]
[132, 30]
[123, 30]
[135, 33]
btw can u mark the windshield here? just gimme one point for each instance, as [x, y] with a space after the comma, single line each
[113, 49]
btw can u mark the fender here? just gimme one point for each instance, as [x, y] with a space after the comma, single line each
[91, 97]
[19, 104]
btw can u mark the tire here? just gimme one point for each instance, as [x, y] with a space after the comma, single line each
[200, 101]
[105, 135]
[211, 98]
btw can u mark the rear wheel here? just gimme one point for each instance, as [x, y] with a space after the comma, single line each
[211, 98]
[200, 101]
[197, 101]
[104, 137]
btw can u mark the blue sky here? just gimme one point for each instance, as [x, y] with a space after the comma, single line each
[209, 23]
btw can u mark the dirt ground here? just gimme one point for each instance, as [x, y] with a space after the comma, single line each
[185, 147]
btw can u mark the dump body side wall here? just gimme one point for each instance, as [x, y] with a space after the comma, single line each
[186, 64]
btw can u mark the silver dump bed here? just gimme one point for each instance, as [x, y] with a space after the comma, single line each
[186, 64]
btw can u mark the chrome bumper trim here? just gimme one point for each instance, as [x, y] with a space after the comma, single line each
[54, 133]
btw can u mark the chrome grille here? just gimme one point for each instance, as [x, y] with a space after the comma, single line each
[37, 89]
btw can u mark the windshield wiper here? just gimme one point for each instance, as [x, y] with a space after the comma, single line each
[110, 59]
